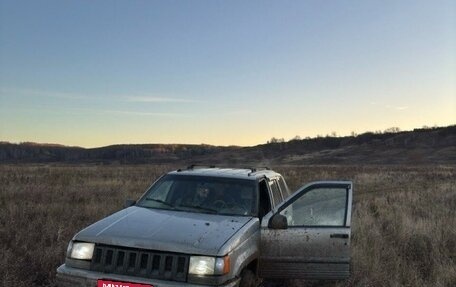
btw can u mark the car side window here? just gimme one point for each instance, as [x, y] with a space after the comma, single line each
[283, 187]
[275, 191]
[318, 207]
[264, 202]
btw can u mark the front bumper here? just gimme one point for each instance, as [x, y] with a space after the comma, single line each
[74, 277]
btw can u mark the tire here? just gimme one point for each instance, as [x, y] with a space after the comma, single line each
[248, 279]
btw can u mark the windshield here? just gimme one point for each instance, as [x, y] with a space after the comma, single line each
[202, 194]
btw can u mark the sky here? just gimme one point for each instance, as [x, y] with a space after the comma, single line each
[95, 73]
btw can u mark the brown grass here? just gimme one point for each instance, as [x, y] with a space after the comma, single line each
[404, 221]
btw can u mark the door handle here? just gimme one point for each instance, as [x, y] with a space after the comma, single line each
[339, 235]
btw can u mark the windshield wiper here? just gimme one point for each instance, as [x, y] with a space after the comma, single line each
[161, 201]
[198, 207]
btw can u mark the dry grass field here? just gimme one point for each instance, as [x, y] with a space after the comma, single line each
[404, 221]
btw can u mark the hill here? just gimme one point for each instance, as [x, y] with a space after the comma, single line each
[420, 146]
[131, 154]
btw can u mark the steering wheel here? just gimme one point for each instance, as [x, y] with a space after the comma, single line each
[219, 204]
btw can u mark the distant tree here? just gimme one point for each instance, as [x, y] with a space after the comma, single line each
[353, 134]
[392, 130]
[296, 138]
[276, 140]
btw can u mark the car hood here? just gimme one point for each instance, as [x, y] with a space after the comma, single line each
[165, 230]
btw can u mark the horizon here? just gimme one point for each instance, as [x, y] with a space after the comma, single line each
[391, 130]
[222, 73]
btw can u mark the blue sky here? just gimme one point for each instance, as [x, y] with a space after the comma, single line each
[93, 73]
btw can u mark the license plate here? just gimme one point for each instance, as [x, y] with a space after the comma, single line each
[107, 283]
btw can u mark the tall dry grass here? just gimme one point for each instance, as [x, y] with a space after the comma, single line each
[404, 224]
[404, 221]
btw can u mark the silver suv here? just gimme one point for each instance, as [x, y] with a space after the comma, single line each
[216, 227]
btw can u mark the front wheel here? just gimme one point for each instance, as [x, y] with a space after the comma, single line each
[248, 279]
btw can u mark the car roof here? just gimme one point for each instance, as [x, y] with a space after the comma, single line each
[238, 173]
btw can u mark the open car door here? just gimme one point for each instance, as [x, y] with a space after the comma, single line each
[308, 235]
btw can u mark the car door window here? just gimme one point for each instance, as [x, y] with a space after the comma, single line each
[318, 207]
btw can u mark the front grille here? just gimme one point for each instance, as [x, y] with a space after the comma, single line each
[139, 262]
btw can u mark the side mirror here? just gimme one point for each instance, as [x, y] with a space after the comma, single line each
[278, 221]
[129, 202]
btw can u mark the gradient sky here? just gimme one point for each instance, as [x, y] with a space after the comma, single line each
[94, 73]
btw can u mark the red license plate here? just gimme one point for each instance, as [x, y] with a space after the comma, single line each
[107, 283]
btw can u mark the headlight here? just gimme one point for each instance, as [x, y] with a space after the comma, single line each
[205, 265]
[81, 250]
[69, 248]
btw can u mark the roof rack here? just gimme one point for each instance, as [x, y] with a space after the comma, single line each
[193, 166]
[258, 168]
[252, 169]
